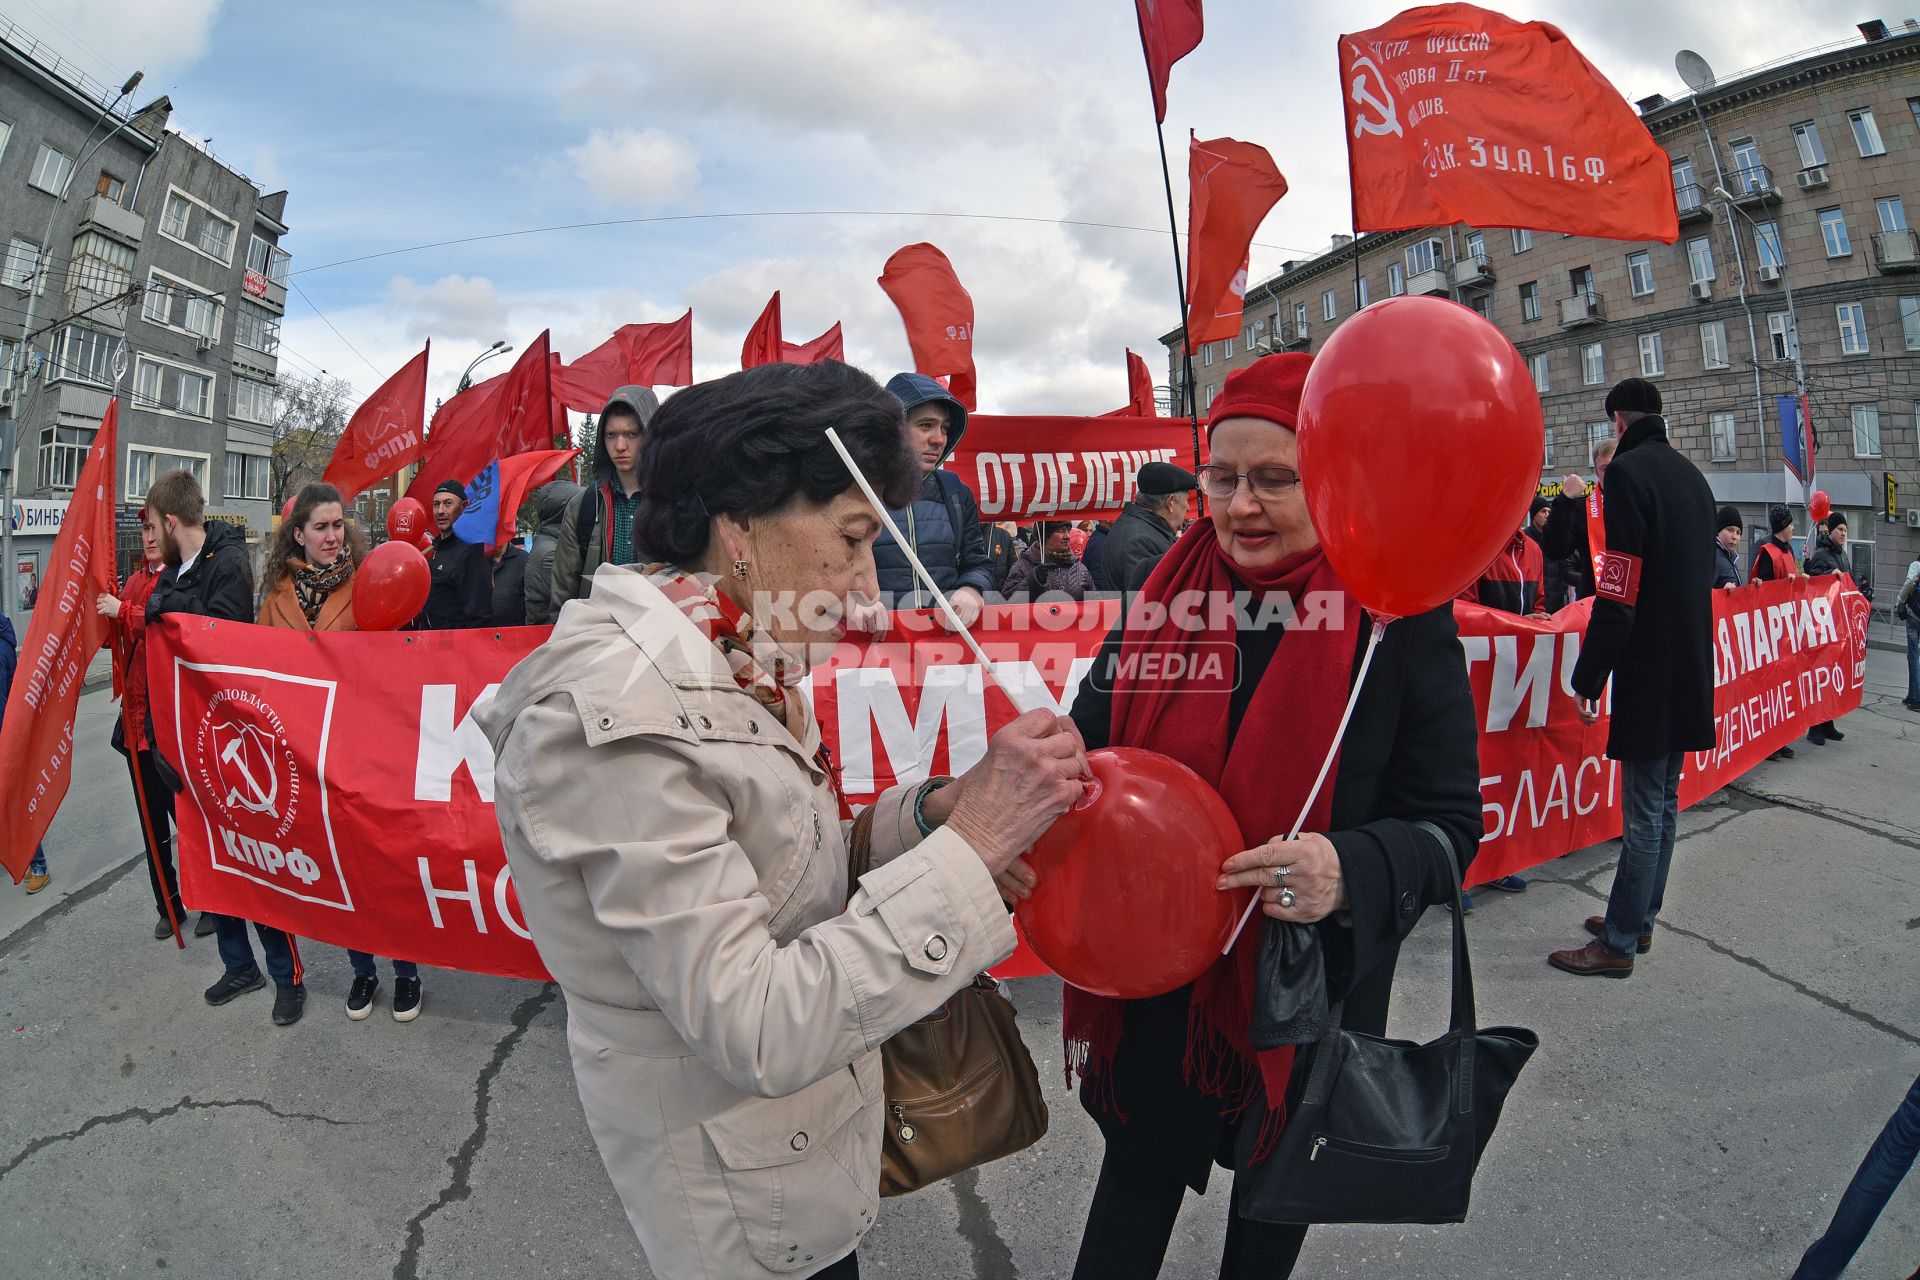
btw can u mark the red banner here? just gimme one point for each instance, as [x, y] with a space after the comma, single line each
[339, 789]
[1064, 468]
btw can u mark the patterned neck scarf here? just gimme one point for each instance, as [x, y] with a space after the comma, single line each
[312, 586]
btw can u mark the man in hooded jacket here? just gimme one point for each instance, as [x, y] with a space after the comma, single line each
[550, 507]
[597, 526]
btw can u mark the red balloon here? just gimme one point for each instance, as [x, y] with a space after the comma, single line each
[1421, 441]
[1820, 506]
[1125, 904]
[390, 587]
[407, 519]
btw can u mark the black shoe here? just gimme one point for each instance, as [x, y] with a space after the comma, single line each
[202, 925]
[360, 997]
[235, 982]
[1817, 736]
[1784, 753]
[1910, 704]
[1834, 734]
[162, 929]
[406, 999]
[289, 1003]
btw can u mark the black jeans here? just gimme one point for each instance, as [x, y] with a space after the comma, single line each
[158, 820]
[848, 1268]
[1131, 1221]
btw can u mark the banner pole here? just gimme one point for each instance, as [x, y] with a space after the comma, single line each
[1180, 283]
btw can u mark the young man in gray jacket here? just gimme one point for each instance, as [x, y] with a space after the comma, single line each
[597, 527]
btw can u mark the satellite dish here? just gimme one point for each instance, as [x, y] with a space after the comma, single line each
[1693, 69]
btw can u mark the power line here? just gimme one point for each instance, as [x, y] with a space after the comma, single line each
[336, 332]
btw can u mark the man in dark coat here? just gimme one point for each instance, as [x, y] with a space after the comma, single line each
[1146, 527]
[1652, 634]
[510, 586]
[597, 526]
[550, 509]
[1552, 578]
[1096, 548]
[1002, 551]
[1564, 537]
[462, 590]
[1728, 528]
[1829, 556]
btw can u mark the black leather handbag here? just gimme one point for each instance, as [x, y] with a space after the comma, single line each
[1389, 1131]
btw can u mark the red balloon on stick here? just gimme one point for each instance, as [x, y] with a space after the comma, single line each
[407, 520]
[1421, 441]
[1125, 904]
[1820, 506]
[390, 587]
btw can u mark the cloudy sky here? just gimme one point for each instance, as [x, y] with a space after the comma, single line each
[751, 145]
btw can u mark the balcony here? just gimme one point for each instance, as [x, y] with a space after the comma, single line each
[1896, 251]
[101, 310]
[1472, 273]
[103, 215]
[1692, 204]
[1582, 309]
[1292, 337]
[1434, 281]
[1753, 185]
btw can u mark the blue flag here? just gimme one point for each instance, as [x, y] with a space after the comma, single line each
[481, 517]
[1793, 437]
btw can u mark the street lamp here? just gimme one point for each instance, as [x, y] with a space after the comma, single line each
[9, 432]
[500, 347]
[1778, 243]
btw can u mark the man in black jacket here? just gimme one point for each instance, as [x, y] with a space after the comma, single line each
[1829, 556]
[1728, 528]
[208, 575]
[1564, 537]
[1147, 526]
[462, 591]
[1553, 577]
[1652, 633]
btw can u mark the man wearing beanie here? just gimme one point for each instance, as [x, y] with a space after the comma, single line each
[1651, 634]
[1829, 556]
[1146, 526]
[462, 591]
[1551, 576]
[1726, 544]
[1774, 558]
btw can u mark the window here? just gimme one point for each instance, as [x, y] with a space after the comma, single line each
[1806, 139]
[1748, 172]
[100, 266]
[200, 317]
[1522, 239]
[1226, 348]
[1582, 281]
[1597, 432]
[1477, 246]
[6, 132]
[1910, 322]
[277, 266]
[63, 451]
[174, 220]
[1833, 229]
[1713, 344]
[1593, 364]
[1686, 192]
[1700, 259]
[1780, 333]
[1853, 328]
[22, 269]
[247, 475]
[1206, 353]
[85, 355]
[171, 389]
[1866, 431]
[1360, 293]
[216, 238]
[144, 466]
[110, 185]
[1482, 305]
[1893, 213]
[1210, 391]
[178, 305]
[1866, 134]
[1396, 280]
[1424, 255]
[1299, 319]
[1913, 105]
[1640, 273]
[1722, 425]
[1546, 454]
[257, 253]
[51, 169]
[1329, 308]
[253, 401]
[256, 329]
[1766, 244]
[1538, 365]
[1652, 360]
[1530, 300]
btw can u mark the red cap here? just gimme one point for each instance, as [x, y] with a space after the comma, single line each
[1268, 388]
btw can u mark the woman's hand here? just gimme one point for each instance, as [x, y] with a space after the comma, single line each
[107, 605]
[1030, 776]
[1312, 880]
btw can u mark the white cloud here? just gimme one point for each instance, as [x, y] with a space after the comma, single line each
[459, 308]
[114, 38]
[635, 168]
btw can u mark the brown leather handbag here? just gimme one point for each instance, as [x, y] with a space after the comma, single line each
[961, 1088]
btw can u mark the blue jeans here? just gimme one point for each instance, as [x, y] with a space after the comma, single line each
[1887, 1162]
[38, 866]
[1913, 658]
[237, 954]
[1650, 812]
[363, 966]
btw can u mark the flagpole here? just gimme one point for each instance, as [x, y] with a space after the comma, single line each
[1180, 282]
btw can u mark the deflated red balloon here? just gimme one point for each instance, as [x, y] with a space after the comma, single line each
[1125, 904]
[1421, 440]
[390, 587]
[407, 520]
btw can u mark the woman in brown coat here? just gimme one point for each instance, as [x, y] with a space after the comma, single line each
[309, 587]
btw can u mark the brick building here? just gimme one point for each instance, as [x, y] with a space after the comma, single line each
[1819, 162]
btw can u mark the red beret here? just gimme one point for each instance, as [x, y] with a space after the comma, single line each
[1268, 388]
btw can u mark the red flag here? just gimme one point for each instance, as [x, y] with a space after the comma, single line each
[498, 418]
[828, 346]
[36, 739]
[938, 313]
[1233, 184]
[1459, 114]
[763, 340]
[1169, 31]
[385, 433]
[1139, 391]
[521, 474]
[646, 355]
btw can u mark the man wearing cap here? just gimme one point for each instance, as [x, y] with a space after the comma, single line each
[1773, 559]
[1146, 527]
[1651, 633]
[1728, 526]
[597, 526]
[1829, 556]
[943, 522]
[462, 591]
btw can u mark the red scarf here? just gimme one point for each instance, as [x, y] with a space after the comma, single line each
[1263, 773]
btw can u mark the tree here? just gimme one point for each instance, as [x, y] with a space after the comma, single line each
[308, 416]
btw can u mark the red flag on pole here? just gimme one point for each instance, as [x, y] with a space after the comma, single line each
[1169, 31]
[1458, 114]
[1233, 184]
[647, 355]
[1139, 387]
[828, 346]
[493, 419]
[36, 737]
[763, 340]
[385, 433]
[938, 313]
[521, 474]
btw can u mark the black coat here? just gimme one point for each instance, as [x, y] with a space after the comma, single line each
[219, 585]
[1002, 551]
[510, 588]
[1652, 624]
[1552, 572]
[1095, 550]
[1726, 567]
[1137, 535]
[462, 591]
[1411, 753]
[1565, 541]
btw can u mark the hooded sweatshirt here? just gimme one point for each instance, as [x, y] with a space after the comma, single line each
[551, 506]
[589, 531]
[943, 521]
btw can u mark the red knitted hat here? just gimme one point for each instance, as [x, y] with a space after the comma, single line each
[1268, 388]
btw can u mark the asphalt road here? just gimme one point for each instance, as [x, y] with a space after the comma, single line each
[1699, 1120]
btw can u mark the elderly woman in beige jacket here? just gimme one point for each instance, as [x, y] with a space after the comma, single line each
[676, 836]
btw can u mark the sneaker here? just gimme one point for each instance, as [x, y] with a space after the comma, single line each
[235, 982]
[1466, 903]
[37, 880]
[360, 997]
[289, 1002]
[1507, 884]
[406, 999]
[202, 925]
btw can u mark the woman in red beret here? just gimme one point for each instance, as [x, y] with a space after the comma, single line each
[1174, 1081]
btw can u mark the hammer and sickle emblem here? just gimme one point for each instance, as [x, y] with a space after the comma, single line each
[251, 784]
[1367, 100]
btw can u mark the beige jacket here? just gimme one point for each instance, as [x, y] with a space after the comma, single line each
[682, 868]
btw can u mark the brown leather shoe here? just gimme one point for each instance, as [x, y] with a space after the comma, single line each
[1593, 961]
[1597, 926]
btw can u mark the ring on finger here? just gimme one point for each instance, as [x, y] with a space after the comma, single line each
[1280, 875]
[1286, 899]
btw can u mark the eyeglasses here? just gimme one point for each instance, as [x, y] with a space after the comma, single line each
[1267, 484]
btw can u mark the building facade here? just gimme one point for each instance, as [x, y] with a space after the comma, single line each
[162, 276]
[1802, 181]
